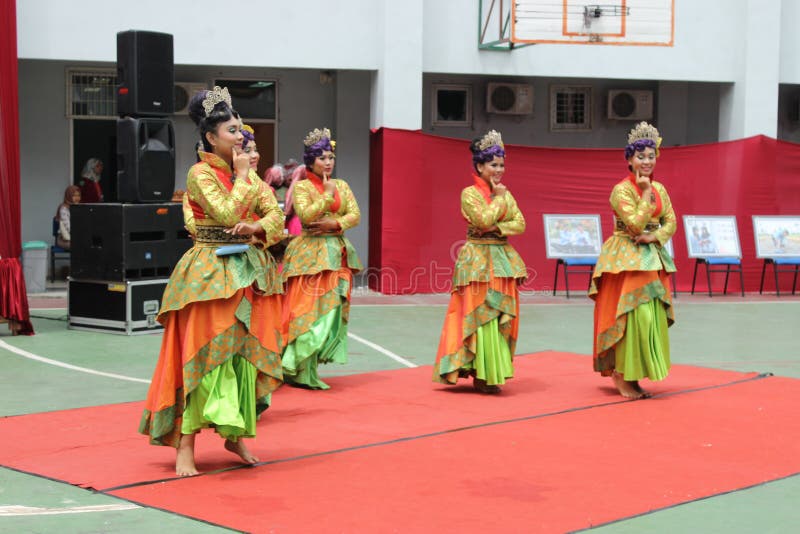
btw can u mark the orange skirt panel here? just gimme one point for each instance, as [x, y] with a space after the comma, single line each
[464, 301]
[613, 287]
[190, 329]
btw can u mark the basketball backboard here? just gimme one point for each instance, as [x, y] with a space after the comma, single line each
[619, 22]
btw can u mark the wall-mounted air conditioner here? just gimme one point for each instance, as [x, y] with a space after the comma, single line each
[630, 105]
[509, 98]
[184, 91]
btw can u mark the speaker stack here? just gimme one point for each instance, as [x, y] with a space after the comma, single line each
[123, 253]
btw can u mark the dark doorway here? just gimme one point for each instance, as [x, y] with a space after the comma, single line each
[96, 139]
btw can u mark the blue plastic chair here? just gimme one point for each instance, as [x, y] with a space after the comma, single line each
[56, 252]
[732, 265]
[575, 265]
[794, 267]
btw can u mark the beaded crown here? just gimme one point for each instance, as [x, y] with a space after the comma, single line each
[492, 138]
[316, 135]
[642, 131]
[215, 96]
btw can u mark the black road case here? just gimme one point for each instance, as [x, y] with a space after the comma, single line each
[127, 308]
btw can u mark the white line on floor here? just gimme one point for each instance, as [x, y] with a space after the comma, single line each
[31, 356]
[17, 510]
[380, 349]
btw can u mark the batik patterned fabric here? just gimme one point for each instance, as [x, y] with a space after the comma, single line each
[485, 291]
[219, 312]
[318, 272]
[628, 279]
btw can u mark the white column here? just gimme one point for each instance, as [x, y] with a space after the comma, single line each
[396, 97]
[750, 106]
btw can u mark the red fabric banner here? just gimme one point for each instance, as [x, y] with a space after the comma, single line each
[416, 180]
[13, 299]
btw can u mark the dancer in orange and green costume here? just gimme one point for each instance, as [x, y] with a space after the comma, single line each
[480, 328]
[220, 353]
[318, 267]
[631, 284]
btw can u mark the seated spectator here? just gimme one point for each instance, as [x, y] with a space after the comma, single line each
[72, 195]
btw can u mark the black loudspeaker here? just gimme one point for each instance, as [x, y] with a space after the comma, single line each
[118, 242]
[145, 73]
[145, 160]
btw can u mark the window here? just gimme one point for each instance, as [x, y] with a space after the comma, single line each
[91, 93]
[570, 108]
[253, 99]
[451, 105]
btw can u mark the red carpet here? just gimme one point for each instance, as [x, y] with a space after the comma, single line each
[565, 471]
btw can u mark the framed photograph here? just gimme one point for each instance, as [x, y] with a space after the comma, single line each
[572, 236]
[712, 236]
[777, 236]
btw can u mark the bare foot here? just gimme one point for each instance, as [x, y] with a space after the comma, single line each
[483, 387]
[629, 390]
[238, 447]
[184, 460]
[645, 394]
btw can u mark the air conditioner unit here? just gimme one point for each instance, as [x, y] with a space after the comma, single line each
[184, 91]
[509, 98]
[624, 104]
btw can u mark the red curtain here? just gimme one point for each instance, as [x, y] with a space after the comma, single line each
[13, 298]
[416, 179]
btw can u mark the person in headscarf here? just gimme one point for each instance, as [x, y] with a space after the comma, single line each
[90, 181]
[293, 225]
[631, 280]
[480, 328]
[72, 195]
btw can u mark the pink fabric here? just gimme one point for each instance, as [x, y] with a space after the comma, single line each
[416, 226]
[294, 225]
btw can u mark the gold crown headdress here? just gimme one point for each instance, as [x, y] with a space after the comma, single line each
[492, 138]
[249, 129]
[642, 131]
[316, 135]
[215, 96]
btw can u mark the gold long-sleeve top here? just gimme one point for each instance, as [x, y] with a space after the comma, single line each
[213, 203]
[309, 254]
[213, 200]
[634, 215]
[487, 254]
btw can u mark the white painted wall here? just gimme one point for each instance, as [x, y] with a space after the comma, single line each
[311, 33]
[790, 42]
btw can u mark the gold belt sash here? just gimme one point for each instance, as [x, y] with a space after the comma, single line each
[491, 238]
[649, 227]
[306, 232]
[216, 234]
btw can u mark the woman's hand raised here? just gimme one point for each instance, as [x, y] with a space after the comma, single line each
[241, 163]
[328, 184]
[498, 189]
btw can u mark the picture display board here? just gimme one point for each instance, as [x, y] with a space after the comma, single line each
[777, 236]
[712, 236]
[572, 236]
